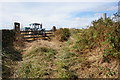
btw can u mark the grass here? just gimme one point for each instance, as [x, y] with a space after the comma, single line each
[49, 52]
[42, 64]
[39, 64]
[76, 57]
[66, 61]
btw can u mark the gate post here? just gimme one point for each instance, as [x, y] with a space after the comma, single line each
[17, 31]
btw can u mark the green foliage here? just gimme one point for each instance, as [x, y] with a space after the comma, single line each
[39, 63]
[62, 34]
[86, 40]
[114, 40]
[114, 37]
[102, 33]
[111, 52]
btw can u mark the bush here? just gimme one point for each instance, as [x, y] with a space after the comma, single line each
[102, 31]
[62, 34]
[114, 41]
[86, 40]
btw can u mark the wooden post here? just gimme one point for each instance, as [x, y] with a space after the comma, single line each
[54, 29]
[17, 30]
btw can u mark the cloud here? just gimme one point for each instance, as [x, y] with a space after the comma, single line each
[59, 14]
[113, 8]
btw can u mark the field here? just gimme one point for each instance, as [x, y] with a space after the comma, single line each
[72, 53]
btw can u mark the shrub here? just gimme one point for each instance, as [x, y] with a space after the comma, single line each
[101, 31]
[86, 40]
[114, 41]
[62, 34]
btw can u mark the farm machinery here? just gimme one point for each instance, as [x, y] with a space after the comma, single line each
[33, 32]
[36, 28]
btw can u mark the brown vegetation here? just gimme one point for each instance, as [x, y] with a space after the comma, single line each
[73, 53]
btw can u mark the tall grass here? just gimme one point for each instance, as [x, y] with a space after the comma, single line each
[37, 63]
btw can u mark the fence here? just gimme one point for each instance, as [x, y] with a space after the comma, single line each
[36, 35]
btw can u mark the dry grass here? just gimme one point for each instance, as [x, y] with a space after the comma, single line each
[65, 63]
[81, 56]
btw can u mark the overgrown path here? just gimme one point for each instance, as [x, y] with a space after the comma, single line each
[29, 46]
[54, 59]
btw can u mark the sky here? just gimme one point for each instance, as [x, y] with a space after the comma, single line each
[63, 14]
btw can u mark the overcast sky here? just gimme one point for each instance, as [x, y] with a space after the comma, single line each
[77, 14]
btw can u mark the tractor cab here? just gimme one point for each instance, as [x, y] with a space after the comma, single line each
[36, 26]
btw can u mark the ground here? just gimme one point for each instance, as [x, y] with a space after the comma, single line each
[66, 65]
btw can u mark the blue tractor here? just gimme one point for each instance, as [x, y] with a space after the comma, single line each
[36, 28]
